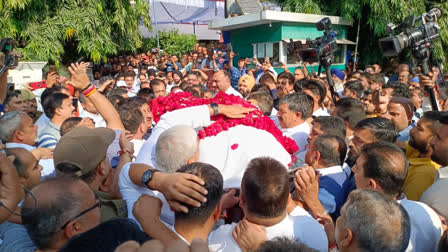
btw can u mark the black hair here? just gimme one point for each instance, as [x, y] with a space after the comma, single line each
[106, 237]
[49, 91]
[214, 186]
[356, 87]
[315, 87]
[286, 75]
[350, 110]
[400, 89]
[265, 186]
[130, 115]
[53, 102]
[383, 129]
[331, 125]
[10, 95]
[382, 169]
[284, 244]
[333, 149]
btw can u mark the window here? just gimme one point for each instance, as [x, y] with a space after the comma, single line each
[263, 50]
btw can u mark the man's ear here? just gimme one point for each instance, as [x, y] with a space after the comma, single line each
[299, 115]
[6, 108]
[18, 134]
[373, 185]
[217, 212]
[348, 238]
[73, 228]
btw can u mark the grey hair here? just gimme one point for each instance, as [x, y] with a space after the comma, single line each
[299, 102]
[175, 147]
[9, 123]
[44, 222]
[379, 223]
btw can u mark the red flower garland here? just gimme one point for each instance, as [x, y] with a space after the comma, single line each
[255, 119]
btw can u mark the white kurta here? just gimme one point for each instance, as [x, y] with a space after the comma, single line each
[302, 228]
[426, 227]
[299, 133]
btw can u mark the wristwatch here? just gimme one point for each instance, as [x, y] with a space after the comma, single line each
[215, 108]
[147, 176]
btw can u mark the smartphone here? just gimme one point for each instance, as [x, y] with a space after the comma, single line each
[38, 85]
[251, 66]
[276, 64]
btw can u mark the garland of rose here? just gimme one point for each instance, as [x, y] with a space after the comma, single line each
[255, 119]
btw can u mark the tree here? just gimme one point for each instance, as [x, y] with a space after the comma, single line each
[172, 42]
[63, 30]
[373, 17]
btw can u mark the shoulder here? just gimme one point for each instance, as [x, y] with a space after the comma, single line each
[222, 240]
[310, 232]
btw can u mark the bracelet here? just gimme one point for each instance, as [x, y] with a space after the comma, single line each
[120, 152]
[88, 86]
[89, 91]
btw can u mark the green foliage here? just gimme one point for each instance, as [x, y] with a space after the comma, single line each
[374, 15]
[171, 42]
[63, 30]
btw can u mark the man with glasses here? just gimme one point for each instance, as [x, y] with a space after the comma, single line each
[61, 208]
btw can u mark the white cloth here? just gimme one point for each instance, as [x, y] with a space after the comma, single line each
[41, 123]
[232, 91]
[247, 142]
[48, 170]
[330, 170]
[138, 143]
[299, 133]
[97, 118]
[321, 112]
[131, 192]
[426, 227]
[302, 228]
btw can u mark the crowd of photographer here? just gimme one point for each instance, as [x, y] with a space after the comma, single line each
[213, 151]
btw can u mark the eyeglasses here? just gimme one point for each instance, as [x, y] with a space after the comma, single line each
[97, 204]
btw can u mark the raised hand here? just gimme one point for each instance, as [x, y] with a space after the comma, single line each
[79, 78]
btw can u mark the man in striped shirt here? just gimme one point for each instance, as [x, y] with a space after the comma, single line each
[57, 107]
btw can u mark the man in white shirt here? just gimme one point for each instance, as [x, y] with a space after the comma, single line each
[221, 80]
[263, 199]
[318, 92]
[134, 122]
[382, 167]
[90, 111]
[18, 131]
[293, 111]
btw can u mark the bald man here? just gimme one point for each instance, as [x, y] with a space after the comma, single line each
[222, 81]
[65, 207]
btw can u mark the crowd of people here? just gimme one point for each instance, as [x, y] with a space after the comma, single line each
[205, 152]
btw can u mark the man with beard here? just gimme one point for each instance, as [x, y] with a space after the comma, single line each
[367, 131]
[422, 169]
[245, 85]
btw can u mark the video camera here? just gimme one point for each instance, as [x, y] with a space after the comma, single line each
[419, 40]
[410, 37]
[320, 49]
[6, 45]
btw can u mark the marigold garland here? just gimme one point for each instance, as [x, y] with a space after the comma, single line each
[254, 119]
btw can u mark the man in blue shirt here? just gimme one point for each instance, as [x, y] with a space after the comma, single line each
[236, 72]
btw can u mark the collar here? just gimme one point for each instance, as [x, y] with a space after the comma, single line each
[54, 126]
[20, 145]
[330, 170]
[442, 172]
[180, 236]
[299, 127]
